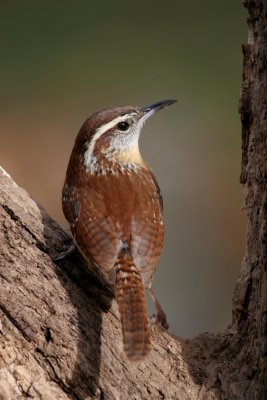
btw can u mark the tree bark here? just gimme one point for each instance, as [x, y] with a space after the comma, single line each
[60, 335]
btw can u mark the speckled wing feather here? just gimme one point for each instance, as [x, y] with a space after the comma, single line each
[71, 204]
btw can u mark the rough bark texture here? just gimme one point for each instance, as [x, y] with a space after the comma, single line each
[60, 334]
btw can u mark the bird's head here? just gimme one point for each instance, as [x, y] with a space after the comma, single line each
[113, 133]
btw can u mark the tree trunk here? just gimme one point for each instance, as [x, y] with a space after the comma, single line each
[59, 328]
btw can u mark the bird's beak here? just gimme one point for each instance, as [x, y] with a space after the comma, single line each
[147, 111]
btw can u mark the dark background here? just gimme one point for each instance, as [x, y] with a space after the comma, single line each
[62, 61]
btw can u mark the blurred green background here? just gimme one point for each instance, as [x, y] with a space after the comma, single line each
[62, 61]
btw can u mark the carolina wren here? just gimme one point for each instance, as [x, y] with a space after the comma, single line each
[113, 204]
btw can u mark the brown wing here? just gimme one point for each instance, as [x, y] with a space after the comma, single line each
[147, 228]
[96, 230]
[93, 230]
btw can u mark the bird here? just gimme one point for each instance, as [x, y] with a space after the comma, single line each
[114, 207]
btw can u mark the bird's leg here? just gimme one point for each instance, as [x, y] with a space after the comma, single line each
[160, 316]
[65, 253]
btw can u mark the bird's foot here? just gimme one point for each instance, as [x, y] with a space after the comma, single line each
[64, 254]
[160, 316]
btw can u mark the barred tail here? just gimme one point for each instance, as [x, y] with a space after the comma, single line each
[130, 296]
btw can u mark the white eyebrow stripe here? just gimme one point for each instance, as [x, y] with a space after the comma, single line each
[106, 127]
[99, 132]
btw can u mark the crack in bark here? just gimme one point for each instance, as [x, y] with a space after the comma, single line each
[14, 322]
[39, 244]
[41, 357]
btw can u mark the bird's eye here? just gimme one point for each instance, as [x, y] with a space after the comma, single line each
[123, 126]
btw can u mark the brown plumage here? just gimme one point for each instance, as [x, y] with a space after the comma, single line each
[113, 205]
[130, 295]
